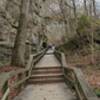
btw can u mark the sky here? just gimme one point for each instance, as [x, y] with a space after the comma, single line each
[98, 0]
[98, 4]
[55, 7]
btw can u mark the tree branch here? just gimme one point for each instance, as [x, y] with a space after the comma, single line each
[11, 24]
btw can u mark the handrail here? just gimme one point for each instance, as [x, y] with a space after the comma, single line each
[77, 80]
[24, 74]
[58, 55]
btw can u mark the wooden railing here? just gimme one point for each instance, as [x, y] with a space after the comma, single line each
[58, 55]
[21, 75]
[74, 77]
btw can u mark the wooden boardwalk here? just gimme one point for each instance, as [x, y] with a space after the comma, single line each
[49, 60]
[56, 91]
[48, 73]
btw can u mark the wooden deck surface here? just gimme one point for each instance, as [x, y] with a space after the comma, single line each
[55, 91]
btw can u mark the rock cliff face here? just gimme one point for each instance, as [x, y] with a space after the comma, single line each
[41, 21]
[9, 16]
[9, 13]
[39, 10]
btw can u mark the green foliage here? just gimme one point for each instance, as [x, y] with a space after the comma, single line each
[74, 44]
[97, 91]
[81, 41]
[82, 38]
[84, 23]
[97, 21]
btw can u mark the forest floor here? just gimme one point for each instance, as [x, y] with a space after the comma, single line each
[8, 69]
[90, 69]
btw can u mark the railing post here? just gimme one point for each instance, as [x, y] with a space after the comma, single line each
[5, 96]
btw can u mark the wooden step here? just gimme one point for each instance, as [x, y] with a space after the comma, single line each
[47, 70]
[46, 76]
[45, 80]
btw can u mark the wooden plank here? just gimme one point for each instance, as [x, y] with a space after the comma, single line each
[3, 79]
[86, 88]
[6, 94]
[6, 76]
[58, 55]
[64, 61]
[82, 85]
[20, 82]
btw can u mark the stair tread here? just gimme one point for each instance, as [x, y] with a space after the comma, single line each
[46, 71]
[46, 74]
[46, 80]
[46, 77]
[45, 68]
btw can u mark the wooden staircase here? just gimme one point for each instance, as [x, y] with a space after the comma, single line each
[44, 75]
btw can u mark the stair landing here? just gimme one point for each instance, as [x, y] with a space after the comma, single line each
[58, 91]
[49, 60]
[46, 71]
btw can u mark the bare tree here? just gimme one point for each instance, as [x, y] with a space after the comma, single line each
[74, 8]
[90, 7]
[65, 15]
[19, 47]
[94, 7]
[85, 7]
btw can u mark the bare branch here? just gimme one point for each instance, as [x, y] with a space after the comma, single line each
[11, 24]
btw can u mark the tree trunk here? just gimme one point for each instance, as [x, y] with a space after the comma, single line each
[90, 8]
[74, 8]
[18, 58]
[65, 16]
[85, 7]
[94, 7]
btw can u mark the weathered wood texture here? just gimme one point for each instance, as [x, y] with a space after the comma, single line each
[23, 74]
[75, 77]
[82, 87]
[58, 56]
